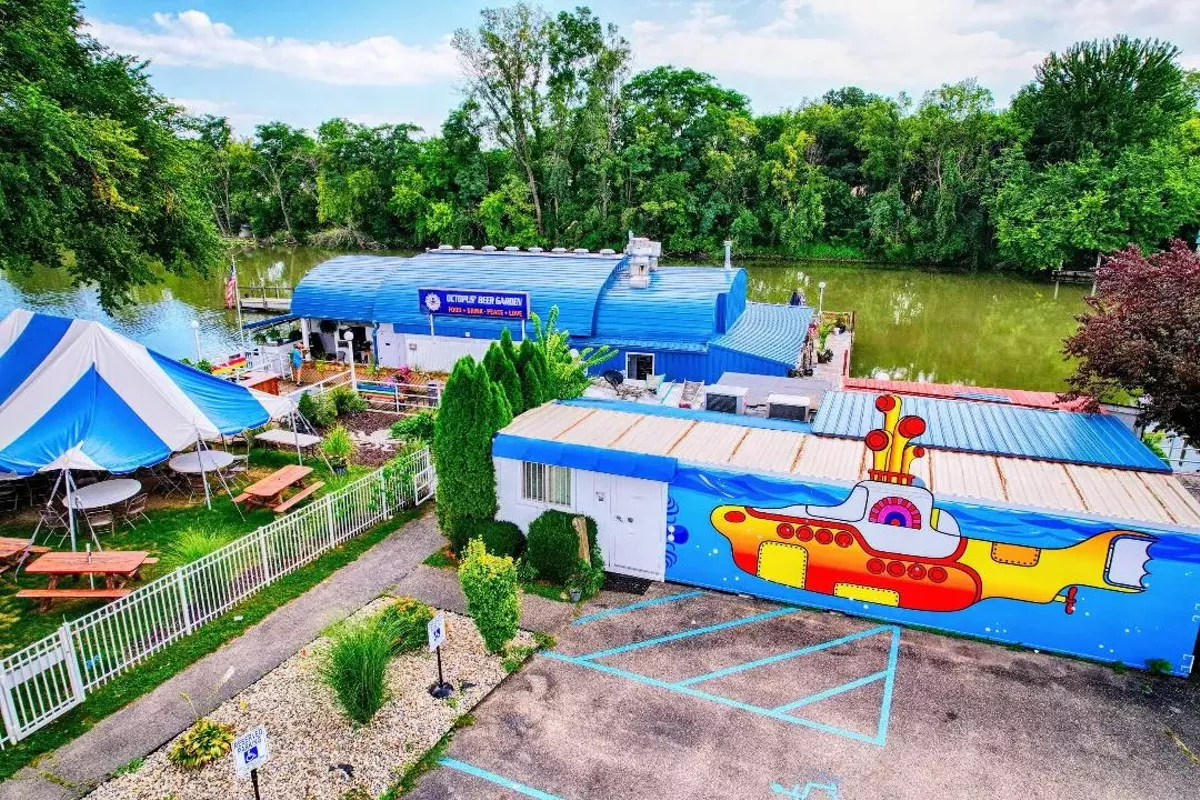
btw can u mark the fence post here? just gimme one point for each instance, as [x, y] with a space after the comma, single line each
[183, 601]
[330, 521]
[8, 710]
[266, 560]
[385, 508]
[68, 645]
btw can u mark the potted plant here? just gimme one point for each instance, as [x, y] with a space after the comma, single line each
[338, 446]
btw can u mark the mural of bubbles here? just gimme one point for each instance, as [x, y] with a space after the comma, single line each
[677, 534]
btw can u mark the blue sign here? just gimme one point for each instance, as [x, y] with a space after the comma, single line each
[475, 303]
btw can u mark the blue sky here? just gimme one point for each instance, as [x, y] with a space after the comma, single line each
[378, 61]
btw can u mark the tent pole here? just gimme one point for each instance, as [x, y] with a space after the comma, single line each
[70, 507]
[203, 474]
[296, 438]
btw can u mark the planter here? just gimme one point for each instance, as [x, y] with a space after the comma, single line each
[339, 467]
[575, 594]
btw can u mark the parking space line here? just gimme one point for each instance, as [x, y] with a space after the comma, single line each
[685, 634]
[715, 698]
[499, 780]
[762, 662]
[635, 606]
[833, 692]
[889, 683]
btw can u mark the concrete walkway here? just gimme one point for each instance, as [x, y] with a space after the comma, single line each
[440, 588]
[154, 719]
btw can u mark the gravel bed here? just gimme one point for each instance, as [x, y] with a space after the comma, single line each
[317, 753]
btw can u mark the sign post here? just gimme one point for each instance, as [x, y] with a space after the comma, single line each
[437, 634]
[250, 751]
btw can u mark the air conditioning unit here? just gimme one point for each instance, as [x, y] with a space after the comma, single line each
[788, 406]
[725, 399]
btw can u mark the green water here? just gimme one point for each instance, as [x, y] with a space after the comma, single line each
[986, 330]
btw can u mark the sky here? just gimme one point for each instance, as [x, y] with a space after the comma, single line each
[387, 61]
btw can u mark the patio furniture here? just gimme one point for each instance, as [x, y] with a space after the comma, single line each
[117, 566]
[47, 596]
[10, 496]
[202, 461]
[104, 494]
[236, 471]
[298, 497]
[13, 552]
[134, 508]
[269, 491]
[284, 439]
[100, 518]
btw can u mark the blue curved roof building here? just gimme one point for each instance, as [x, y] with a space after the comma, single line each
[688, 323]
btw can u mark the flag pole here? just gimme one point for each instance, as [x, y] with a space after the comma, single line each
[237, 298]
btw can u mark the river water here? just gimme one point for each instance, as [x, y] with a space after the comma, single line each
[981, 329]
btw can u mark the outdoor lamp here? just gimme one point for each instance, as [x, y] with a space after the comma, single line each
[196, 339]
[821, 299]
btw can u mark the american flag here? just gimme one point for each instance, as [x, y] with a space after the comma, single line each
[231, 286]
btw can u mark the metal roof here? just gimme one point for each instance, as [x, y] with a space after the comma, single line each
[769, 331]
[998, 429]
[343, 288]
[958, 391]
[731, 444]
[680, 305]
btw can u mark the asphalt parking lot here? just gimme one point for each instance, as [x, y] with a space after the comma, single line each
[686, 694]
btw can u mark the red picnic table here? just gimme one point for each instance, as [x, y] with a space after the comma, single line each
[117, 566]
[269, 491]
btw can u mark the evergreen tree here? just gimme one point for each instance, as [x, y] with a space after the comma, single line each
[506, 344]
[532, 374]
[503, 373]
[462, 447]
[501, 410]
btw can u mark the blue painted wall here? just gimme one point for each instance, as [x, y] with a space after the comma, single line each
[1159, 623]
[697, 366]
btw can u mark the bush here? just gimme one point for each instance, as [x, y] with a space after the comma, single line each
[490, 584]
[347, 401]
[553, 546]
[418, 426]
[201, 744]
[192, 544]
[356, 668]
[407, 620]
[338, 445]
[318, 409]
[502, 539]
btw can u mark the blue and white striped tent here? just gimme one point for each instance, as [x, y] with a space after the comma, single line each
[76, 395]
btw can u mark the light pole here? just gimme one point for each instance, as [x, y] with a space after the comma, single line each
[821, 300]
[348, 337]
[196, 339]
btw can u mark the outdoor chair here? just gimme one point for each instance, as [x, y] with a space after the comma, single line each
[53, 518]
[100, 518]
[10, 497]
[135, 507]
[235, 473]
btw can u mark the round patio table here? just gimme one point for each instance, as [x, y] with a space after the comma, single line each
[190, 463]
[104, 494]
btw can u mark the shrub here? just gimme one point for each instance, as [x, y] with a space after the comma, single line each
[462, 447]
[407, 620]
[356, 668]
[418, 426]
[347, 401]
[502, 539]
[203, 743]
[317, 409]
[490, 584]
[553, 546]
[195, 543]
[338, 445]
[503, 371]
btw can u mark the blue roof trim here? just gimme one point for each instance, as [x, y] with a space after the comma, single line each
[995, 429]
[269, 322]
[690, 413]
[641, 344]
[592, 459]
[769, 331]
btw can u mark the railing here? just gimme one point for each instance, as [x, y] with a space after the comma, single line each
[48, 678]
[324, 385]
[400, 398]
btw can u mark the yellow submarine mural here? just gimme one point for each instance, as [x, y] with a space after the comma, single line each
[888, 543]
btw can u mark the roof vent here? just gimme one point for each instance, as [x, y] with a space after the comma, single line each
[643, 259]
[580, 250]
[534, 249]
[728, 254]
[512, 248]
[466, 247]
[559, 250]
[445, 247]
[488, 248]
[608, 251]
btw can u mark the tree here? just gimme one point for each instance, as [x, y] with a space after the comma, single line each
[462, 448]
[503, 373]
[285, 158]
[1142, 336]
[95, 175]
[531, 368]
[566, 369]
[1103, 96]
[490, 585]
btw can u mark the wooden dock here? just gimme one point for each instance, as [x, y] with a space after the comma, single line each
[271, 299]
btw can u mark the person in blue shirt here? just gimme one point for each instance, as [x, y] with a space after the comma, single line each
[297, 362]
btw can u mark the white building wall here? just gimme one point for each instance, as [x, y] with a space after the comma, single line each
[439, 353]
[392, 350]
[630, 514]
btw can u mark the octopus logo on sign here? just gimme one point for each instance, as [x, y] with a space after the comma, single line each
[433, 302]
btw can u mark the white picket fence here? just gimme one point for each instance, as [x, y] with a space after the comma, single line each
[52, 676]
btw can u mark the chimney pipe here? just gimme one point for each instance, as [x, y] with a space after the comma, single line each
[728, 250]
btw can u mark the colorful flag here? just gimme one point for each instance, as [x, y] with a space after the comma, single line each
[231, 286]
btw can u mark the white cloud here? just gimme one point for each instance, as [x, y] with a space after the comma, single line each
[192, 39]
[893, 45]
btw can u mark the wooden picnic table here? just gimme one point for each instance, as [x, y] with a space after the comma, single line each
[117, 566]
[269, 491]
[12, 550]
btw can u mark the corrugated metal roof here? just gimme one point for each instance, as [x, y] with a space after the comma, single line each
[1153, 498]
[997, 429]
[679, 305]
[958, 391]
[773, 332]
[343, 288]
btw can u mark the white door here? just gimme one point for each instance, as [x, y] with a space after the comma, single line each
[638, 528]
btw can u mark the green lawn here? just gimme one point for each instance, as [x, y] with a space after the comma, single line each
[20, 621]
[172, 659]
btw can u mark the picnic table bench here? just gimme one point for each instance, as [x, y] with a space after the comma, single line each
[268, 492]
[48, 596]
[117, 566]
[13, 551]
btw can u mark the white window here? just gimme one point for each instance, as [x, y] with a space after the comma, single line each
[543, 483]
[639, 366]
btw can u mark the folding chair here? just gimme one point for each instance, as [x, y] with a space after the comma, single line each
[135, 507]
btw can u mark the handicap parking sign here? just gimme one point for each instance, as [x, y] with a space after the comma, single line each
[437, 631]
[250, 751]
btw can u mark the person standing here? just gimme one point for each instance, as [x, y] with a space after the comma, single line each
[297, 363]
